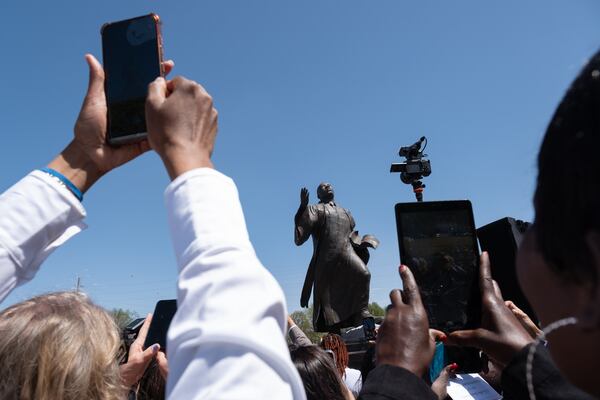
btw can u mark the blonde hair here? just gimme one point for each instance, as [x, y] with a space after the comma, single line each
[59, 346]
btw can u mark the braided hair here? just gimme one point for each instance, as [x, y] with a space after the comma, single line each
[334, 342]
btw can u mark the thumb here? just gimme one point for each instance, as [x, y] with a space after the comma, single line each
[96, 80]
[445, 374]
[157, 92]
[150, 353]
[440, 385]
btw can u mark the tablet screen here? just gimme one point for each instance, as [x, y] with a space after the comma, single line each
[438, 243]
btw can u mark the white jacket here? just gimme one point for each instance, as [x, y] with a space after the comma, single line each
[222, 285]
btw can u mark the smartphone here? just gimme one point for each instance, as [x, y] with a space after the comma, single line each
[161, 320]
[132, 55]
[438, 242]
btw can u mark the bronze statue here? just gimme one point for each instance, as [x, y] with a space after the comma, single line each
[338, 267]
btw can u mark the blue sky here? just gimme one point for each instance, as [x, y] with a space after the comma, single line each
[306, 91]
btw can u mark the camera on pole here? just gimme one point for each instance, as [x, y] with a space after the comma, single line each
[415, 168]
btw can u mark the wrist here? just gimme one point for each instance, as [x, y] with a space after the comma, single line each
[178, 163]
[127, 377]
[77, 167]
[512, 350]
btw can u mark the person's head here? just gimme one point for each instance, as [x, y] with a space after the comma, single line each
[559, 261]
[325, 192]
[334, 342]
[318, 373]
[59, 346]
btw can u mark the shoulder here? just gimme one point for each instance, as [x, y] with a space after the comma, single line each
[352, 375]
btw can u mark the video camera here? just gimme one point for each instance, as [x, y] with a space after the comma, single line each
[415, 168]
[128, 335]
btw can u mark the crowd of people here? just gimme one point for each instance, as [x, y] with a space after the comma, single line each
[62, 346]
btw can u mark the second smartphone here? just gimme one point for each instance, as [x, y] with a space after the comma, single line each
[161, 320]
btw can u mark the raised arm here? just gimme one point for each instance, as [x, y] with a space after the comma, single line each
[297, 335]
[405, 347]
[38, 215]
[305, 220]
[227, 338]
[43, 210]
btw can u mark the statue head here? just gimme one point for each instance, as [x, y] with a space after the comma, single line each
[325, 192]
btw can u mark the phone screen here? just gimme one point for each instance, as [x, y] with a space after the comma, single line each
[438, 243]
[132, 60]
[161, 320]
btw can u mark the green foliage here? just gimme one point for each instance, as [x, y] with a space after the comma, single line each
[303, 318]
[376, 310]
[122, 317]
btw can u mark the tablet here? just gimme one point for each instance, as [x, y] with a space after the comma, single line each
[438, 242]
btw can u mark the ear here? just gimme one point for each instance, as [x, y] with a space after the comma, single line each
[590, 318]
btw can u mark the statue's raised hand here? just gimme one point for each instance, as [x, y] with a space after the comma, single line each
[303, 197]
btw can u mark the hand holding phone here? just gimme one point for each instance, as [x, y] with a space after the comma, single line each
[88, 157]
[138, 357]
[501, 335]
[182, 124]
[404, 338]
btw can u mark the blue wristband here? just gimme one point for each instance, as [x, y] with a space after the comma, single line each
[72, 188]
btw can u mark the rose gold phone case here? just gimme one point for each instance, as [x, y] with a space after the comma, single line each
[157, 22]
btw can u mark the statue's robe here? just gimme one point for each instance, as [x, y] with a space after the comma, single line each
[339, 276]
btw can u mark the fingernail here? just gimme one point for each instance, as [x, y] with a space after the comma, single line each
[443, 338]
[453, 367]
[402, 268]
[155, 348]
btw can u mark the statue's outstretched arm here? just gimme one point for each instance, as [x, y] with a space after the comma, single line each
[302, 221]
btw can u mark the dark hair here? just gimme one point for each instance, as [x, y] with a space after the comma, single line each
[318, 373]
[152, 384]
[334, 342]
[567, 198]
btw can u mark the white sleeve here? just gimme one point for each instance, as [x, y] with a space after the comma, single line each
[226, 340]
[37, 216]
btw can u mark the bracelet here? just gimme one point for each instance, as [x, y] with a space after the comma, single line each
[63, 181]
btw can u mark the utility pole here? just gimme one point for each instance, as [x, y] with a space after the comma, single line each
[78, 284]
